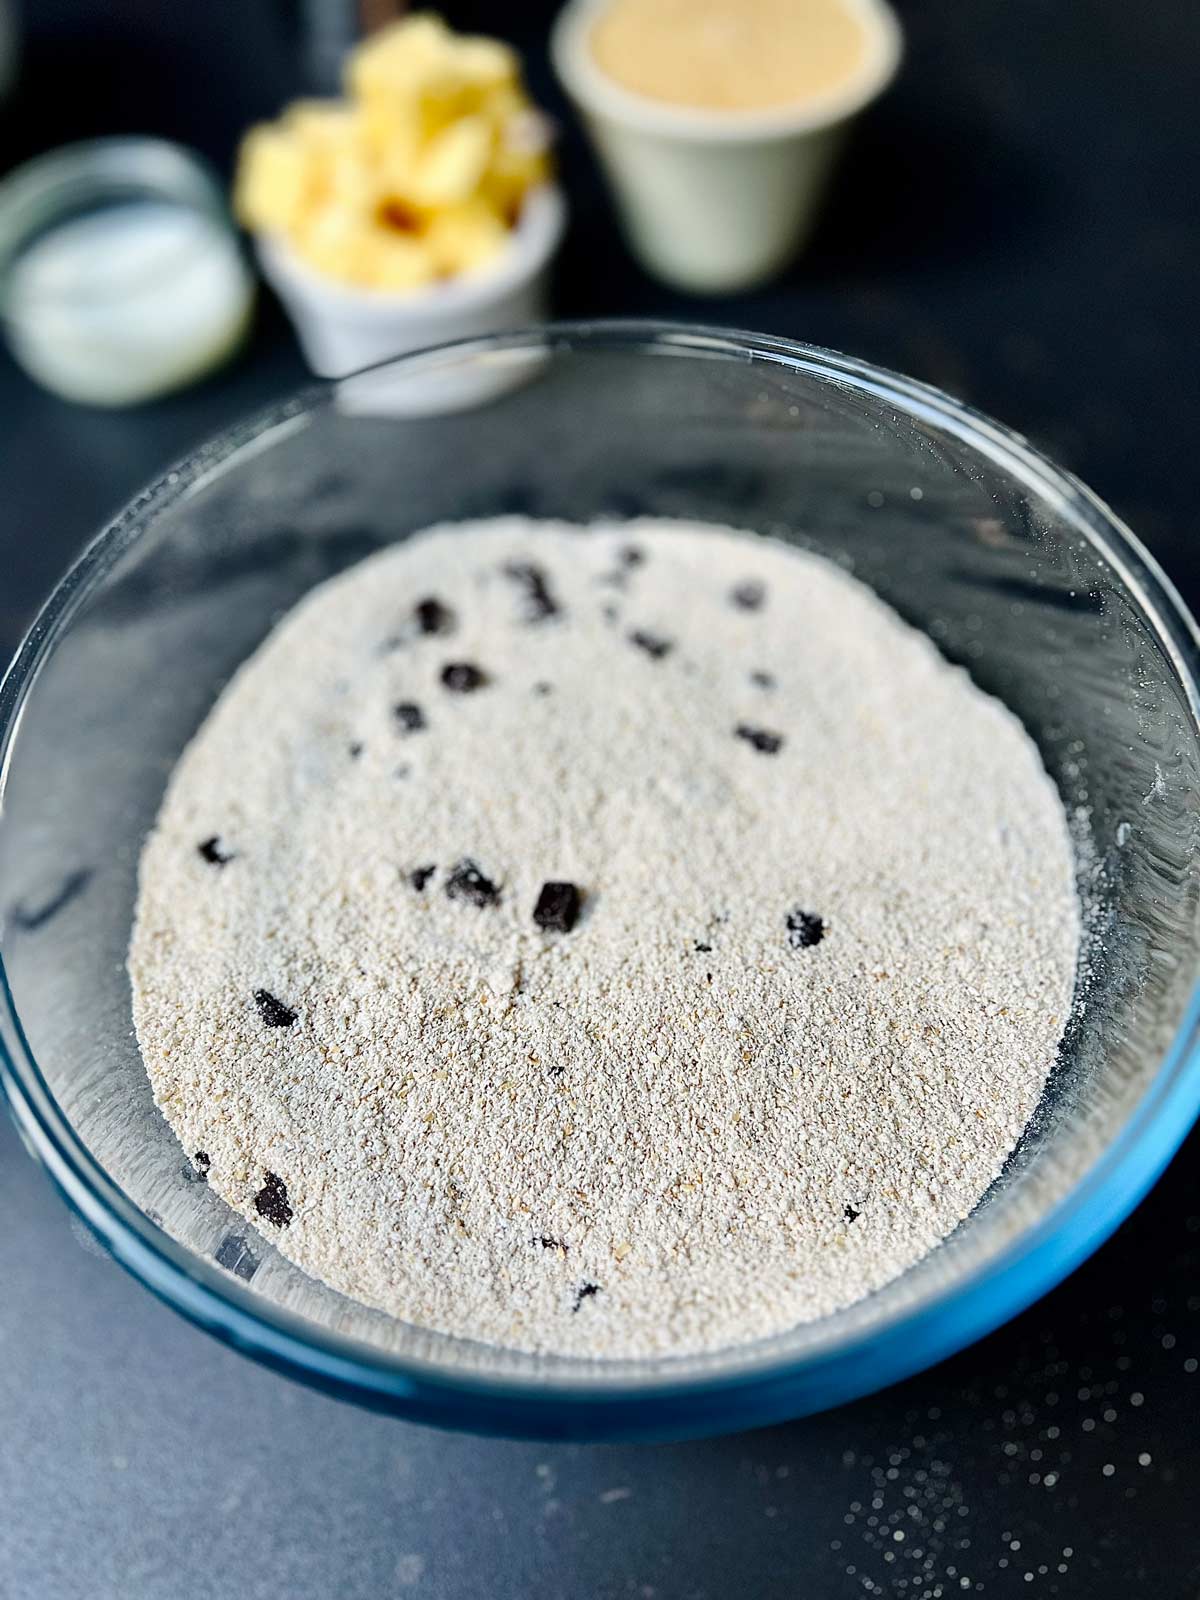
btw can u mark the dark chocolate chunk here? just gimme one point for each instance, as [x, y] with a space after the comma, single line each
[628, 558]
[210, 850]
[584, 1292]
[748, 596]
[271, 1201]
[235, 1255]
[433, 617]
[539, 602]
[557, 908]
[804, 929]
[429, 616]
[273, 1012]
[30, 918]
[760, 738]
[701, 949]
[653, 644]
[763, 680]
[420, 876]
[550, 1244]
[850, 1214]
[466, 882]
[355, 750]
[462, 677]
[409, 717]
[202, 1161]
[543, 688]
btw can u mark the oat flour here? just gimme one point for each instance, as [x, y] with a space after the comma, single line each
[606, 941]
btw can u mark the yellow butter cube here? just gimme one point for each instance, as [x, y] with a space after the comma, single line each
[465, 238]
[510, 177]
[321, 137]
[395, 261]
[392, 137]
[501, 103]
[418, 174]
[486, 62]
[272, 180]
[347, 244]
[328, 238]
[322, 124]
[418, 69]
[453, 163]
[345, 177]
[400, 59]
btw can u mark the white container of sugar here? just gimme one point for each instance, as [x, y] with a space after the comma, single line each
[121, 277]
[717, 121]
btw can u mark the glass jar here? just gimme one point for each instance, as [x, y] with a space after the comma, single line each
[121, 275]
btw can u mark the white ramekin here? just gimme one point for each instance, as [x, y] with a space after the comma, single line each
[714, 201]
[342, 328]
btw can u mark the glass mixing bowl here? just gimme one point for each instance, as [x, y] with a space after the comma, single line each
[1013, 568]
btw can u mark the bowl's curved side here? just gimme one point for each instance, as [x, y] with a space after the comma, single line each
[1061, 1242]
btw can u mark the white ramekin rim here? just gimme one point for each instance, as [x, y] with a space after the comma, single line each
[592, 88]
[535, 238]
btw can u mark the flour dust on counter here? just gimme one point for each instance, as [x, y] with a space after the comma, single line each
[606, 941]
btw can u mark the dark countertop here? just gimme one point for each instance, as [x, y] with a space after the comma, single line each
[1016, 223]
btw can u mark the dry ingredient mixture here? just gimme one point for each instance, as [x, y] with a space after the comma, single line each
[604, 941]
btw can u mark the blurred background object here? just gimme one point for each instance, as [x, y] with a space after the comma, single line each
[416, 207]
[8, 46]
[415, 203]
[718, 121]
[120, 275]
[342, 328]
[1014, 221]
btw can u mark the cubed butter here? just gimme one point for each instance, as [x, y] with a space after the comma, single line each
[419, 173]
[466, 237]
[272, 180]
[452, 165]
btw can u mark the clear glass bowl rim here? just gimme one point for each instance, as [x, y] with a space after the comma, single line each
[614, 1406]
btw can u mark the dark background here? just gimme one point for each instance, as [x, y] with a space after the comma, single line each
[1017, 222]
